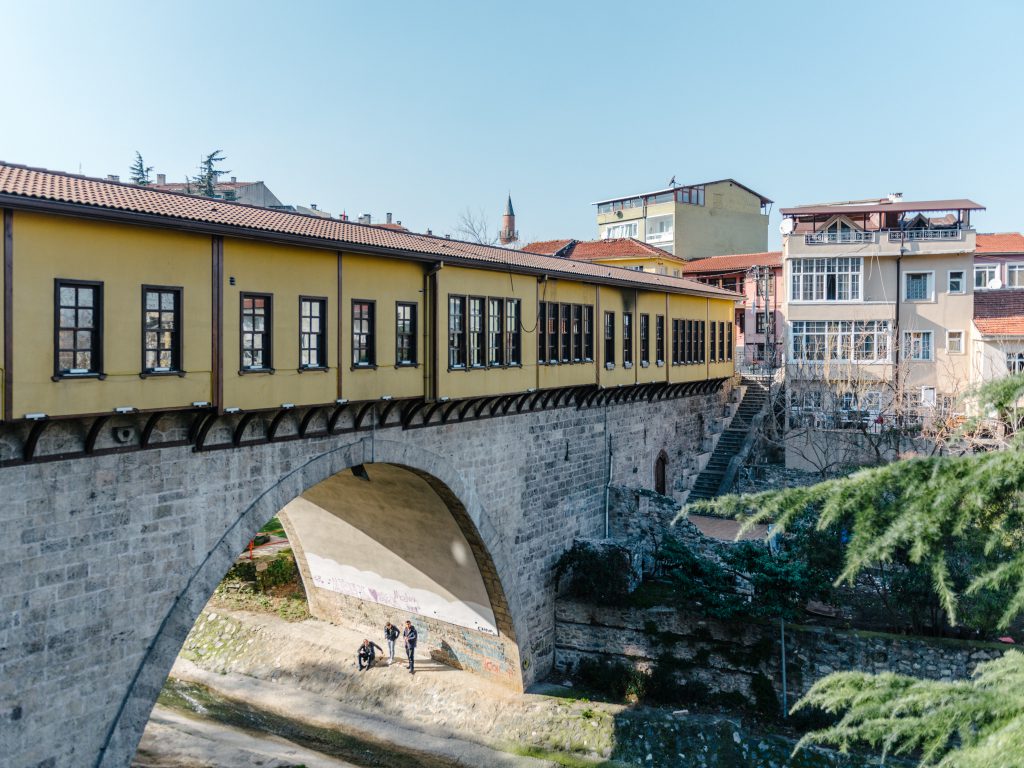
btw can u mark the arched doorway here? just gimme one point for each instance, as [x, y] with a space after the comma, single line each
[660, 465]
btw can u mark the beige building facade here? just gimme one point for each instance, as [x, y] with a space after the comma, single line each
[878, 310]
[690, 221]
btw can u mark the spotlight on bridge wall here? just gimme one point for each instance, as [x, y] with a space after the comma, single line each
[385, 397]
[125, 409]
[35, 416]
[232, 410]
[360, 471]
[200, 404]
[444, 399]
[286, 406]
[341, 401]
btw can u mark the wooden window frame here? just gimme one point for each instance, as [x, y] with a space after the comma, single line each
[729, 341]
[576, 330]
[479, 348]
[659, 339]
[551, 332]
[494, 339]
[413, 334]
[96, 351]
[177, 350]
[514, 335]
[564, 334]
[645, 339]
[609, 339]
[322, 334]
[588, 333]
[267, 332]
[627, 339]
[371, 335]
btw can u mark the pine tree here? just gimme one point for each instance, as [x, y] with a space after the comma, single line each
[205, 182]
[926, 510]
[140, 171]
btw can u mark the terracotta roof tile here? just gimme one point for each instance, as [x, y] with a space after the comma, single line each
[596, 250]
[999, 312]
[547, 247]
[734, 262]
[1000, 242]
[22, 184]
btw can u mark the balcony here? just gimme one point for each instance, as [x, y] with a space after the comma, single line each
[660, 237]
[832, 238]
[917, 235]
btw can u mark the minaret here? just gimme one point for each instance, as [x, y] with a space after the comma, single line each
[508, 232]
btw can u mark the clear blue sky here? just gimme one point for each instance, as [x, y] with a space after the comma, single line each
[425, 109]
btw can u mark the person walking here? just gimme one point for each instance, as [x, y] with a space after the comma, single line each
[366, 654]
[391, 635]
[410, 645]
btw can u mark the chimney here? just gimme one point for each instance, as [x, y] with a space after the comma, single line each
[161, 178]
[313, 206]
[429, 232]
[895, 197]
[365, 219]
[399, 222]
[388, 217]
[234, 179]
[113, 177]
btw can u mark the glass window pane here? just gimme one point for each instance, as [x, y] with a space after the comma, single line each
[152, 300]
[85, 297]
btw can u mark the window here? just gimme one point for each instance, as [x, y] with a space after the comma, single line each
[542, 335]
[564, 335]
[955, 342]
[577, 333]
[1015, 362]
[729, 343]
[714, 329]
[826, 279]
[763, 323]
[917, 286]
[627, 339]
[256, 332]
[476, 332]
[1015, 275]
[659, 338]
[645, 339]
[955, 282]
[702, 339]
[364, 344]
[513, 338]
[405, 334]
[626, 229]
[918, 345]
[985, 274]
[721, 341]
[862, 341]
[609, 338]
[456, 331]
[928, 397]
[552, 332]
[161, 329]
[677, 341]
[588, 333]
[312, 333]
[79, 323]
[495, 334]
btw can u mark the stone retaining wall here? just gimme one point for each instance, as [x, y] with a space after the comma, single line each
[740, 658]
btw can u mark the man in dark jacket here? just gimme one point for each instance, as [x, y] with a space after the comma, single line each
[390, 635]
[366, 654]
[410, 645]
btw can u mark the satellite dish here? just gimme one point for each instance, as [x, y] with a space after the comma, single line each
[995, 283]
[786, 226]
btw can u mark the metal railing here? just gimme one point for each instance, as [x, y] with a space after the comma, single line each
[849, 236]
[910, 235]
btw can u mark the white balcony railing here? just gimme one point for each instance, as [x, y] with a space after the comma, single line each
[909, 235]
[660, 237]
[848, 236]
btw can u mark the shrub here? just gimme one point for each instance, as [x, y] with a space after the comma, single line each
[595, 574]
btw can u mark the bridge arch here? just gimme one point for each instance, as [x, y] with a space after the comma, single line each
[489, 549]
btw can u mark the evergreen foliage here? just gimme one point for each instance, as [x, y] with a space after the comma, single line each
[140, 171]
[205, 182]
[598, 574]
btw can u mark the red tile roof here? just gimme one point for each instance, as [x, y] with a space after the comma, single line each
[999, 312]
[882, 206]
[597, 250]
[547, 247]
[180, 186]
[39, 188]
[733, 262]
[1000, 242]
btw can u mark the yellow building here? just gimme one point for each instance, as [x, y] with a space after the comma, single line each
[690, 221]
[627, 253]
[120, 298]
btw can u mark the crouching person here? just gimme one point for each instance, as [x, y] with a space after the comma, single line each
[366, 654]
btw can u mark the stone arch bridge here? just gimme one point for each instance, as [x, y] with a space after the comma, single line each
[118, 529]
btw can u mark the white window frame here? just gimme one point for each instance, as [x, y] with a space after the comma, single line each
[963, 281]
[908, 346]
[836, 337]
[1014, 267]
[928, 397]
[804, 273]
[1015, 362]
[607, 234]
[930, 285]
[962, 349]
[986, 268]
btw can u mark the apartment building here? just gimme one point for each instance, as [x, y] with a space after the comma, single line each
[626, 252]
[997, 338]
[691, 221]
[878, 308]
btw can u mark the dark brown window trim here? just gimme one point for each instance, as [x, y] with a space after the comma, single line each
[144, 372]
[371, 335]
[268, 332]
[324, 325]
[97, 353]
[313, 369]
[159, 374]
[367, 367]
[415, 318]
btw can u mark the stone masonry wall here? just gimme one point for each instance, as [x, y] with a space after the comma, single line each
[111, 558]
[738, 658]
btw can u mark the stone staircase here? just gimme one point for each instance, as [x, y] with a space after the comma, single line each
[732, 440]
